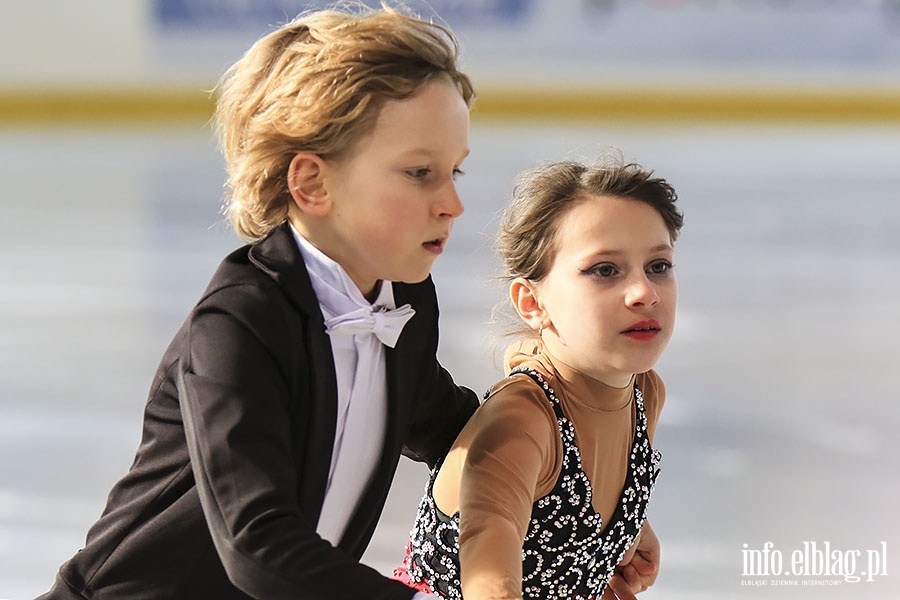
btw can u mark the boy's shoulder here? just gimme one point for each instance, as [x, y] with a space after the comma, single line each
[270, 271]
[254, 296]
[236, 276]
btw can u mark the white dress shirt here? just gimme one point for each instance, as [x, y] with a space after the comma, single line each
[362, 397]
[359, 363]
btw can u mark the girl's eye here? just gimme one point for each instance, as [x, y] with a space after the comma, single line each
[420, 173]
[660, 267]
[457, 173]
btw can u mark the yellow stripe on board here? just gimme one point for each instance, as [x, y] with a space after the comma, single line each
[697, 105]
[50, 107]
[117, 106]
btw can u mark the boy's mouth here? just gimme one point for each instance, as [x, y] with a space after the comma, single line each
[435, 246]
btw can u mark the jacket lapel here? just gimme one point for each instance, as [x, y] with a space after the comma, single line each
[315, 403]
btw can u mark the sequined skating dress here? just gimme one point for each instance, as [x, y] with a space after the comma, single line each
[568, 552]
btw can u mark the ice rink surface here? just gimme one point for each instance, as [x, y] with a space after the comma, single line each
[782, 419]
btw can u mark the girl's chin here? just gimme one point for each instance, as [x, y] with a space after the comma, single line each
[642, 364]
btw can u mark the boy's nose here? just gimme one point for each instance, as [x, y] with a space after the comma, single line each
[450, 204]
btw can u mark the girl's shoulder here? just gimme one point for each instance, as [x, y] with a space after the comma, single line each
[517, 405]
[652, 387]
[515, 424]
[520, 389]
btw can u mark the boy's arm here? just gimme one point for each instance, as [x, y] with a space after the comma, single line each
[441, 411]
[234, 404]
[440, 408]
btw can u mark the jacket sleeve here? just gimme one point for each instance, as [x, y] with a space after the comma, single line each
[234, 403]
[441, 407]
[442, 411]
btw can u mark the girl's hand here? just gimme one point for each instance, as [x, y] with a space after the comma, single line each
[618, 589]
[640, 565]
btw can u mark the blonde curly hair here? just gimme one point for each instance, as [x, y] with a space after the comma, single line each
[317, 84]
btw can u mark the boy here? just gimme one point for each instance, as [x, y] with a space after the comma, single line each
[279, 411]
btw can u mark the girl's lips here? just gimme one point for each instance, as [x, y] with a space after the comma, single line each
[643, 335]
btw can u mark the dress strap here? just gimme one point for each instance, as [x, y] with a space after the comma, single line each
[548, 390]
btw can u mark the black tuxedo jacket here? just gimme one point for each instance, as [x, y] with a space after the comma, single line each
[225, 492]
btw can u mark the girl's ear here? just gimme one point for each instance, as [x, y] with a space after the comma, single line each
[306, 181]
[525, 297]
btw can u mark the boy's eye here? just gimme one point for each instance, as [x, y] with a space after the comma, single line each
[424, 172]
[603, 270]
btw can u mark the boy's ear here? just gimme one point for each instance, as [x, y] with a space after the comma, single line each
[306, 181]
[526, 300]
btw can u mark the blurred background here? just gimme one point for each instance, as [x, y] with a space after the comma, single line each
[778, 121]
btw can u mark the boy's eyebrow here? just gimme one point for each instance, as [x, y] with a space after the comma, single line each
[428, 152]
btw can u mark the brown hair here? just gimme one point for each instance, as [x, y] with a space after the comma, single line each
[526, 240]
[318, 84]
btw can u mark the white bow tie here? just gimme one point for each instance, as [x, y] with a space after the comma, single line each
[385, 323]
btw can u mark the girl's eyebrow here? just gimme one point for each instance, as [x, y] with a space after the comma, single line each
[664, 247]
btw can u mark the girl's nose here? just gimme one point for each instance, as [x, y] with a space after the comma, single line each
[641, 292]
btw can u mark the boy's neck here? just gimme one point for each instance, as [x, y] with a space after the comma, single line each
[371, 296]
[370, 293]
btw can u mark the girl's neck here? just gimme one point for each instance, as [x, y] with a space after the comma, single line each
[614, 379]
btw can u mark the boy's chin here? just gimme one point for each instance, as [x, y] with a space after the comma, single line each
[418, 278]
[415, 274]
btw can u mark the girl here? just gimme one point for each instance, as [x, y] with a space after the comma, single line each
[279, 412]
[545, 491]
